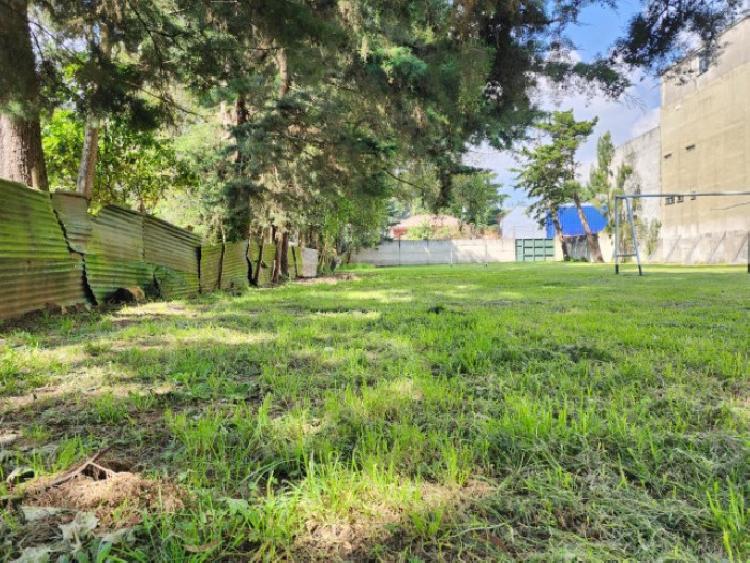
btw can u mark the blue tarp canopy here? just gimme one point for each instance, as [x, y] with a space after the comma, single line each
[571, 223]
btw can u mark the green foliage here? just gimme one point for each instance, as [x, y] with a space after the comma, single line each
[401, 66]
[601, 188]
[113, 62]
[549, 173]
[134, 167]
[423, 231]
[655, 35]
[332, 103]
[649, 233]
[62, 142]
[476, 199]
[605, 184]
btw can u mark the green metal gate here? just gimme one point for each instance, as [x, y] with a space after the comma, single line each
[534, 249]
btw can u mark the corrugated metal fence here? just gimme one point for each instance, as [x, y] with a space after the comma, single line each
[55, 254]
[36, 267]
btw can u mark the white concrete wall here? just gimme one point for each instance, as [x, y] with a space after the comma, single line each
[309, 262]
[607, 247]
[643, 155]
[413, 252]
[728, 247]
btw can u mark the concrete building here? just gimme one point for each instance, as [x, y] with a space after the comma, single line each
[702, 145]
[643, 156]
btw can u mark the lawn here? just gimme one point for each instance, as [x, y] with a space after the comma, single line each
[506, 412]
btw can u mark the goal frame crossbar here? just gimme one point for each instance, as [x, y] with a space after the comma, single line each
[627, 200]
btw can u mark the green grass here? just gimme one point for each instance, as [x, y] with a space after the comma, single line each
[548, 411]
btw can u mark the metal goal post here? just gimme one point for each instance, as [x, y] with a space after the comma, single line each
[627, 200]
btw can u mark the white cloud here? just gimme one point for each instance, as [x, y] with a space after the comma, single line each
[648, 121]
[632, 115]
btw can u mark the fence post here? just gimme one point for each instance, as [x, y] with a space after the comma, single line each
[617, 235]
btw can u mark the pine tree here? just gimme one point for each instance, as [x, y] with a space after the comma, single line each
[21, 157]
[550, 173]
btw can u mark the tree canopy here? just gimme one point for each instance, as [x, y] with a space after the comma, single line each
[549, 175]
[298, 116]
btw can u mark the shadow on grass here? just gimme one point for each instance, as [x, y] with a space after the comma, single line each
[501, 420]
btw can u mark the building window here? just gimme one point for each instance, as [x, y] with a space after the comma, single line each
[669, 200]
[704, 61]
[680, 199]
[690, 147]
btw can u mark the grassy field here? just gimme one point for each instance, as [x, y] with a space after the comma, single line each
[517, 411]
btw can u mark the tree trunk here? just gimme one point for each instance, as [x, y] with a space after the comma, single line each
[445, 181]
[277, 256]
[241, 113]
[312, 239]
[593, 242]
[21, 156]
[284, 261]
[558, 229]
[282, 64]
[238, 220]
[89, 154]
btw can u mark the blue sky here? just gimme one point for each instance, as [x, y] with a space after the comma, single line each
[626, 118]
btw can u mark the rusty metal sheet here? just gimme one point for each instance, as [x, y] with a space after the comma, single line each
[173, 284]
[210, 267]
[36, 268]
[235, 266]
[111, 241]
[28, 226]
[31, 285]
[170, 246]
[114, 257]
[174, 252]
[72, 212]
[117, 232]
[105, 275]
[265, 271]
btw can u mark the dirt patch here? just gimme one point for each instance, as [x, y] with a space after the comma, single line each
[328, 280]
[378, 521]
[116, 498]
[342, 539]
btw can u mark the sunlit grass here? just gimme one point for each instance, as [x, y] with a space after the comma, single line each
[514, 411]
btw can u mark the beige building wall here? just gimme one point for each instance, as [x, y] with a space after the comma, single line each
[643, 155]
[705, 124]
[705, 147]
